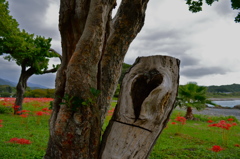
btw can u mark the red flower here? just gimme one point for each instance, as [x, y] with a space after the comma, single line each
[230, 119]
[180, 119]
[1, 121]
[210, 121]
[19, 141]
[173, 123]
[223, 124]
[23, 115]
[45, 109]
[24, 111]
[237, 145]
[39, 113]
[16, 107]
[216, 148]
[1, 125]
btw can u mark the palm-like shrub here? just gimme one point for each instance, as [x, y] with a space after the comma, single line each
[192, 96]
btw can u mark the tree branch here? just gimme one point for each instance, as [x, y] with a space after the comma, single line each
[53, 70]
[122, 30]
[59, 55]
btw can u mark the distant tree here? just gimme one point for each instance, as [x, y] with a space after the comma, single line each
[192, 96]
[31, 53]
[40, 93]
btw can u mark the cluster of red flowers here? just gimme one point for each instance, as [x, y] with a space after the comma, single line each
[216, 148]
[223, 124]
[24, 113]
[237, 145]
[1, 123]
[210, 121]
[180, 120]
[45, 111]
[19, 141]
[16, 107]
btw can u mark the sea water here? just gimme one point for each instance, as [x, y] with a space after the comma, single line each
[227, 103]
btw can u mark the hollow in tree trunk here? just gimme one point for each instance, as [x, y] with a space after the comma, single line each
[145, 103]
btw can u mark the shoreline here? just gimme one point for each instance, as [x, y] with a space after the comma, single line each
[216, 112]
[223, 99]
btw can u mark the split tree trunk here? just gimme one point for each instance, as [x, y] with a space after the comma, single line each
[93, 48]
[145, 103]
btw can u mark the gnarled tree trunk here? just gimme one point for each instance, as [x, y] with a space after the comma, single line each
[93, 50]
[145, 103]
[20, 89]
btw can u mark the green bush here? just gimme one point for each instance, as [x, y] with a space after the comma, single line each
[5, 110]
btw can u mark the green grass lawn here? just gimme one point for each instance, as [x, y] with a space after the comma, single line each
[193, 141]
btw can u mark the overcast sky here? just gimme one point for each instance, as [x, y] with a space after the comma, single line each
[207, 43]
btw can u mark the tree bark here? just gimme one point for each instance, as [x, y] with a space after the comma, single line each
[145, 103]
[189, 114]
[93, 49]
[20, 89]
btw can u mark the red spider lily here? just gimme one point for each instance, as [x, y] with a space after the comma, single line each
[19, 141]
[40, 113]
[23, 115]
[173, 123]
[223, 124]
[230, 119]
[24, 111]
[210, 121]
[16, 107]
[46, 109]
[237, 145]
[1, 124]
[216, 148]
[19, 112]
[180, 119]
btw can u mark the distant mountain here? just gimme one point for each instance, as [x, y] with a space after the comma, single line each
[7, 82]
[14, 84]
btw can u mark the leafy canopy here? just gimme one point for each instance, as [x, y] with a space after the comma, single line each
[27, 50]
[8, 25]
[196, 6]
[192, 95]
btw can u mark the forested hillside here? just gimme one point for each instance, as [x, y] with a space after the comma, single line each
[224, 88]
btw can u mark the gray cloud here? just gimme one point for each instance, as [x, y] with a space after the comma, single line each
[196, 72]
[9, 70]
[223, 8]
[30, 15]
[47, 80]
